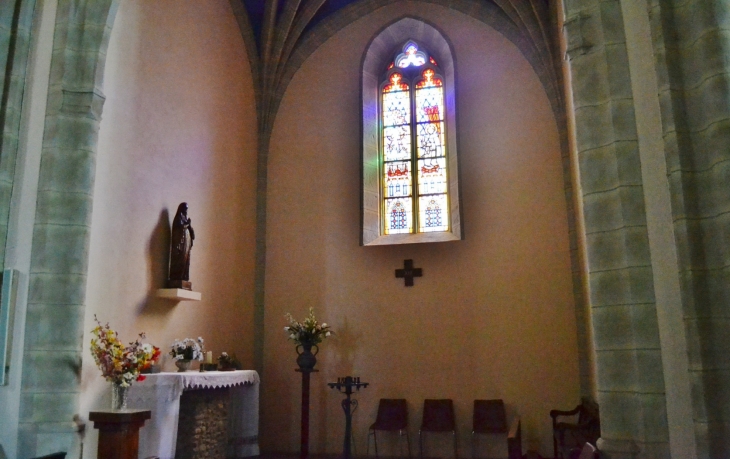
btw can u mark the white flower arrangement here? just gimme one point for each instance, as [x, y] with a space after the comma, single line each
[187, 349]
[309, 331]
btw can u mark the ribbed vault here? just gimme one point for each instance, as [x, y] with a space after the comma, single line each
[281, 34]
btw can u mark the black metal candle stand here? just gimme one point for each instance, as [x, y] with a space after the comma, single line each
[345, 386]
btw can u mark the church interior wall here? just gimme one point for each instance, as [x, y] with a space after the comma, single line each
[179, 124]
[493, 315]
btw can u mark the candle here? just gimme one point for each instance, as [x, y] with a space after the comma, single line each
[209, 357]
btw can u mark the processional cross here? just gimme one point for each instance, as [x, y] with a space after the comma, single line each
[408, 272]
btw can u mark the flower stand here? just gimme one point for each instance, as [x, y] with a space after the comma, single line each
[119, 432]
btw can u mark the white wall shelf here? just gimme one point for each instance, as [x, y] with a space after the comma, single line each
[179, 294]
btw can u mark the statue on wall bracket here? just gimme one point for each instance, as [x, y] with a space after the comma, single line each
[181, 241]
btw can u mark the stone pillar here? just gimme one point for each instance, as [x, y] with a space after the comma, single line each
[16, 21]
[59, 257]
[630, 377]
[691, 46]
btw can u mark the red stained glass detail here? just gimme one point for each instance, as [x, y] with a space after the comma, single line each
[432, 112]
[395, 84]
[429, 80]
[430, 170]
[432, 60]
[392, 64]
[398, 172]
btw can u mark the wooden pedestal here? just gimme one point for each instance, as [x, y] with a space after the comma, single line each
[119, 432]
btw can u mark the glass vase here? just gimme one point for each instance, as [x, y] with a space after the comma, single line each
[119, 397]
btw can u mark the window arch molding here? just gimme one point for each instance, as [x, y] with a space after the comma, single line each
[378, 54]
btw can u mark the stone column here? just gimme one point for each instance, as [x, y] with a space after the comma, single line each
[59, 257]
[630, 378]
[16, 21]
[691, 42]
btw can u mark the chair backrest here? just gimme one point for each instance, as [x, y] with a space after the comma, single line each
[589, 417]
[588, 452]
[438, 415]
[489, 416]
[392, 414]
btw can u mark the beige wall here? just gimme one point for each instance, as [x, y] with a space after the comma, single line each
[493, 315]
[178, 125]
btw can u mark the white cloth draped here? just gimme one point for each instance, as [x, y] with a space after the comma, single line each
[161, 393]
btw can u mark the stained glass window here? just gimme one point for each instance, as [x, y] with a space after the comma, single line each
[414, 173]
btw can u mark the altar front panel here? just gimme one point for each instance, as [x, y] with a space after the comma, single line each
[161, 393]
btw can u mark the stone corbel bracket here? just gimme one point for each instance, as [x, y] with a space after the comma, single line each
[578, 32]
[83, 102]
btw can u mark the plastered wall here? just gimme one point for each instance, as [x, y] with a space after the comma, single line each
[178, 125]
[493, 315]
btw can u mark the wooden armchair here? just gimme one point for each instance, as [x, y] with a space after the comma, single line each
[568, 437]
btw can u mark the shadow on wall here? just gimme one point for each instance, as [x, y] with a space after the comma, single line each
[342, 346]
[158, 262]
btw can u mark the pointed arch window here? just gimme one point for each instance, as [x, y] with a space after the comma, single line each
[415, 194]
[410, 172]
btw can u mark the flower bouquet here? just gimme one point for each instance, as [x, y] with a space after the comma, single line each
[183, 352]
[308, 332]
[228, 362]
[119, 364]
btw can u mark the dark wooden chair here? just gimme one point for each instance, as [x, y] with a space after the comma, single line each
[53, 456]
[490, 417]
[569, 437]
[392, 417]
[438, 416]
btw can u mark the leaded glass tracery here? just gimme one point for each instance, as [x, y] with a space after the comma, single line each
[414, 175]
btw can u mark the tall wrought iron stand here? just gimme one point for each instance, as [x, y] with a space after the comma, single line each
[346, 385]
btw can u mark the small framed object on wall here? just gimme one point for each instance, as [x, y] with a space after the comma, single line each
[7, 319]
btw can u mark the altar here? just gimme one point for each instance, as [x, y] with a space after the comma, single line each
[161, 394]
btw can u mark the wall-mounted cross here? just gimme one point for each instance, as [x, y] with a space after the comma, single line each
[408, 272]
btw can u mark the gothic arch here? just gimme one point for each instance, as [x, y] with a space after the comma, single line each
[375, 58]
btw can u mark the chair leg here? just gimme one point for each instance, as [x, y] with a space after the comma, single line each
[473, 445]
[420, 444]
[375, 442]
[456, 455]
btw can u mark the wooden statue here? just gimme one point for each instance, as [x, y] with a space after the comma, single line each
[181, 242]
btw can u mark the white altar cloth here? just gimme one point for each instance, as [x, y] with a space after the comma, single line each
[160, 392]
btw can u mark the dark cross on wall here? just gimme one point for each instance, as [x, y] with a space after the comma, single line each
[408, 272]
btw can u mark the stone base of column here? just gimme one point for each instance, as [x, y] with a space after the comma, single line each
[631, 449]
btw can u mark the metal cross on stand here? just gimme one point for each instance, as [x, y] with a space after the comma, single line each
[408, 272]
[345, 386]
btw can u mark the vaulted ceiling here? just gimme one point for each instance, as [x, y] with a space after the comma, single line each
[280, 34]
